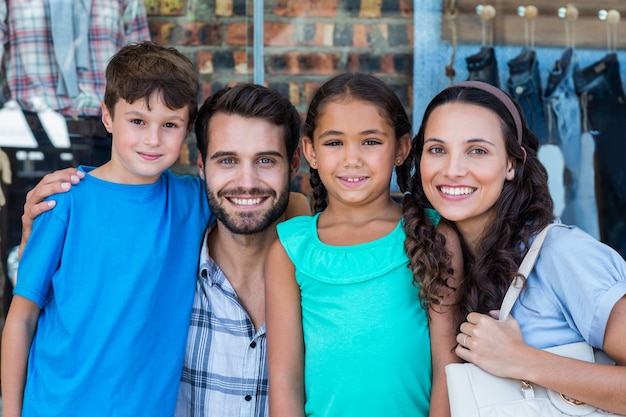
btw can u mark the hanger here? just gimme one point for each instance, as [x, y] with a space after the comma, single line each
[612, 18]
[529, 13]
[570, 14]
[487, 13]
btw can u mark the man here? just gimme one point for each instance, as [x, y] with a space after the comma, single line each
[248, 137]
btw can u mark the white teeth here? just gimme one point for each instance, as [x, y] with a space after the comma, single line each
[353, 179]
[246, 201]
[456, 190]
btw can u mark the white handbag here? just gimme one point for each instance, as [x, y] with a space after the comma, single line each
[476, 393]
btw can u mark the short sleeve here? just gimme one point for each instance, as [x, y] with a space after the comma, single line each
[41, 257]
[582, 278]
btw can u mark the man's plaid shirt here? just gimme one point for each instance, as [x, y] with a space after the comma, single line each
[225, 368]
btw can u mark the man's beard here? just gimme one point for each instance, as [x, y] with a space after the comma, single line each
[247, 223]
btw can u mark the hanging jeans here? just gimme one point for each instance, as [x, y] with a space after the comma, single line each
[483, 66]
[524, 85]
[603, 107]
[562, 109]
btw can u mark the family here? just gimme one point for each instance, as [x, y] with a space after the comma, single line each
[141, 292]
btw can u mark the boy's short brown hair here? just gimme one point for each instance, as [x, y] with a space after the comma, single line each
[139, 69]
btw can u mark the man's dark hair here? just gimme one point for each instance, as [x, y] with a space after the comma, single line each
[250, 101]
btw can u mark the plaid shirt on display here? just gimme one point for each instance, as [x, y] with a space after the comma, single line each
[225, 369]
[30, 64]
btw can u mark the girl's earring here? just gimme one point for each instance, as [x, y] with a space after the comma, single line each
[398, 161]
[314, 164]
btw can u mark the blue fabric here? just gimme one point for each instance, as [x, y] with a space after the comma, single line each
[603, 103]
[71, 41]
[113, 268]
[564, 127]
[571, 291]
[524, 84]
[367, 349]
[483, 66]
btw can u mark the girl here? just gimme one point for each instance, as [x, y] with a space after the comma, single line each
[478, 168]
[346, 333]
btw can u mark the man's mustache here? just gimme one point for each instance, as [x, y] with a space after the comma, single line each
[251, 192]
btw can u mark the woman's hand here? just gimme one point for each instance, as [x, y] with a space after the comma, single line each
[498, 347]
[495, 346]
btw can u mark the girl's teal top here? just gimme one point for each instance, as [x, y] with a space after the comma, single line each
[367, 348]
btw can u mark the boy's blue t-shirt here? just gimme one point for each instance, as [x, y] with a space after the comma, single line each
[113, 269]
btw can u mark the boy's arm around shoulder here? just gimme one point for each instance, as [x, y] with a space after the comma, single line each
[17, 338]
[285, 345]
[443, 328]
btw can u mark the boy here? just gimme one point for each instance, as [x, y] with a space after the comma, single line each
[100, 313]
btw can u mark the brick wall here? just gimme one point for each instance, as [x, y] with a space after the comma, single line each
[305, 42]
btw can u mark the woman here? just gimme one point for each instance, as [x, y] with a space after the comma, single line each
[478, 168]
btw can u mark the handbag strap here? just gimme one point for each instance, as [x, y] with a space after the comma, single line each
[524, 269]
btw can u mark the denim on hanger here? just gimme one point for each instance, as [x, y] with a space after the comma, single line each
[603, 107]
[562, 109]
[524, 85]
[483, 66]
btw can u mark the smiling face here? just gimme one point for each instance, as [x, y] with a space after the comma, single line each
[246, 172]
[146, 141]
[354, 150]
[464, 165]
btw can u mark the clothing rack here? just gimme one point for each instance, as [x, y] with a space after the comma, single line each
[508, 28]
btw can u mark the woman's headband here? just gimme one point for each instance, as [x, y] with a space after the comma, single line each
[500, 95]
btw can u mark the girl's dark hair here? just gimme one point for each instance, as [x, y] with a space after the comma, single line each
[523, 208]
[363, 87]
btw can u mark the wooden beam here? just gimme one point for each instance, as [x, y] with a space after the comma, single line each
[550, 30]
